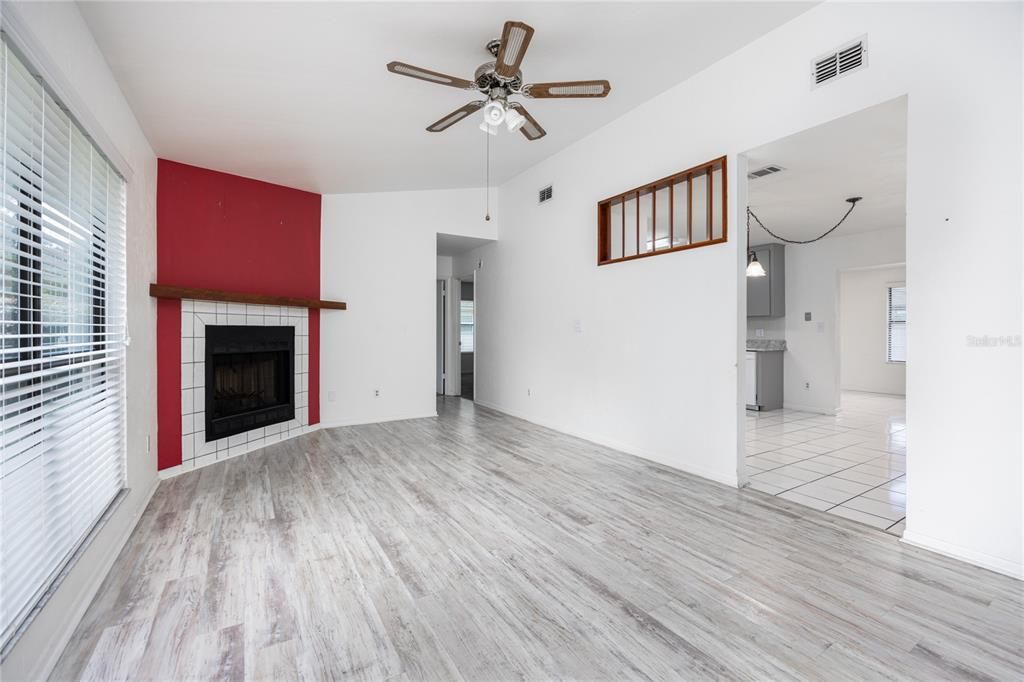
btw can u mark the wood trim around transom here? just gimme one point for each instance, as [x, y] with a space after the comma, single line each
[713, 233]
[175, 292]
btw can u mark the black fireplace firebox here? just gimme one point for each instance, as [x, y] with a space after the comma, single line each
[250, 378]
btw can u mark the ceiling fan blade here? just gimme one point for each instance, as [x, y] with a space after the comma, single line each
[451, 119]
[531, 130]
[515, 38]
[403, 69]
[567, 89]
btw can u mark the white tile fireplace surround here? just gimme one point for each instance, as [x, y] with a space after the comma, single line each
[195, 315]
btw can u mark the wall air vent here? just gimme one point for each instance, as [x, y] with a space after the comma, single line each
[839, 62]
[544, 195]
[766, 170]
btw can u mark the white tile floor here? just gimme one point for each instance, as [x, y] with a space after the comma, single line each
[852, 465]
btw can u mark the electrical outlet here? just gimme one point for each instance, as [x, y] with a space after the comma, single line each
[759, 333]
[807, 385]
[376, 393]
[528, 394]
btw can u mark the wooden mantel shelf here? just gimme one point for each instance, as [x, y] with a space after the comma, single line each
[169, 291]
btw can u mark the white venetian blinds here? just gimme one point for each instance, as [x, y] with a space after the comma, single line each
[896, 329]
[62, 439]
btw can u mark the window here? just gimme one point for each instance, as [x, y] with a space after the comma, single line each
[682, 211]
[466, 326]
[63, 317]
[896, 329]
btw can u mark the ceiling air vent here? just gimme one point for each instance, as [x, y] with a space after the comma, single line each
[767, 170]
[839, 62]
[544, 195]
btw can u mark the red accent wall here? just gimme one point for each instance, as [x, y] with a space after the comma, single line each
[221, 231]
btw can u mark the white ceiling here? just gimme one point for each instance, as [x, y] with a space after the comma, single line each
[298, 94]
[863, 154]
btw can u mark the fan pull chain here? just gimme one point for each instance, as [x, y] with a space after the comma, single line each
[487, 189]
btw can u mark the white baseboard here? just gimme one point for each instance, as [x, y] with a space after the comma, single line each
[810, 408]
[731, 481]
[997, 564]
[376, 420]
[85, 600]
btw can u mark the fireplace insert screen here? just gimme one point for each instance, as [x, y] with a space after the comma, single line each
[250, 378]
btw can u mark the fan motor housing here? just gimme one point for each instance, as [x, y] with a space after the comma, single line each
[486, 79]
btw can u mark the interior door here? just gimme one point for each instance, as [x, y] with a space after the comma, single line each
[440, 338]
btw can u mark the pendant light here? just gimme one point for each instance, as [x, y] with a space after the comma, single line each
[754, 267]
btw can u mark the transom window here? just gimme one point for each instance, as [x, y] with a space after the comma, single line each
[683, 211]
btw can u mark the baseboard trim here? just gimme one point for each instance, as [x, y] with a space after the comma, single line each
[714, 476]
[377, 420]
[970, 556]
[94, 586]
[810, 408]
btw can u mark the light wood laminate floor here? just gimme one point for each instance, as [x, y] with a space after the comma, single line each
[476, 546]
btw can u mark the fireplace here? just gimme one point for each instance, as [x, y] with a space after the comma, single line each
[250, 378]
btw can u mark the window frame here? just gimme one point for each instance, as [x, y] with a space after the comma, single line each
[102, 324]
[889, 322]
[471, 325]
[708, 168]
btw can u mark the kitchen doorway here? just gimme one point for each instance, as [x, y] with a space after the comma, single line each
[826, 315]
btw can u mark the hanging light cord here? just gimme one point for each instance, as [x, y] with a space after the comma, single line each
[487, 216]
[750, 214]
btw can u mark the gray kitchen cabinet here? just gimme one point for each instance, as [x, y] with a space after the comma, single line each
[766, 296]
[764, 380]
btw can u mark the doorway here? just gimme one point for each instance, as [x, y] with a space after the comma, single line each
[467, 338]
[823, 389]
[457, 303]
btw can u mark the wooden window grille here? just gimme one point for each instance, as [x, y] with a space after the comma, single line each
[682, 211]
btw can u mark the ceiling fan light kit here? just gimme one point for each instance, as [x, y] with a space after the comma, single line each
[499, 80]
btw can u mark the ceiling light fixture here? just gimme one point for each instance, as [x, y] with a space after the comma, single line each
[501, 77]
[514, 120]
[754, 267]
[494, 112]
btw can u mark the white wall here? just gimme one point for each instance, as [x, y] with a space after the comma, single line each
[812, 286]
[653, 369]
[863, 329]
[379, 254]
[57, 41]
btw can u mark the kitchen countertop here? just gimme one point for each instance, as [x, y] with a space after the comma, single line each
[766, 345]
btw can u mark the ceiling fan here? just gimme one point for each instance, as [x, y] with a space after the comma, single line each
[499, 80]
